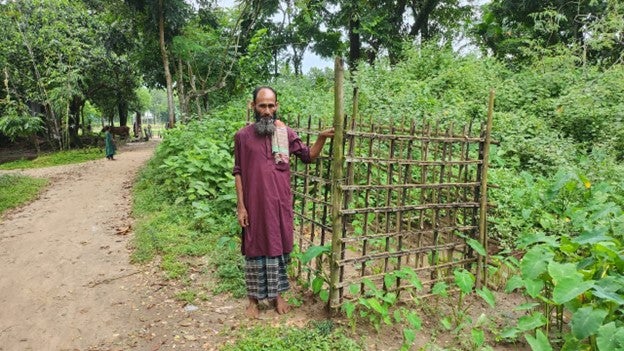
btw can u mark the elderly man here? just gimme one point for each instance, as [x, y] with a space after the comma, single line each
[265, 209]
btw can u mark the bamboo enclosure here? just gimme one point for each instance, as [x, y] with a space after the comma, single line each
[390, 196]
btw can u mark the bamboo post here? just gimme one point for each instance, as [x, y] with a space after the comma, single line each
[482, 261]
[336, 191]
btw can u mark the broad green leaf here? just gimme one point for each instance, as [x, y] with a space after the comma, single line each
[397, 316]
[478, 337]
[509, 333]
[475, 245]
[348, 307]
[535, 262]
[534, 321]
[312, 252]
[586, 321]
[610, 337]
[607, 293]
[324, 295]
[440, 289]
[409, 335]
[375, 305]
[317, 284]
[464, 280]
[446, 323]
[514, 283]
[390, 298]
[539, 342]
[533, 287]
[527, 306]
[414, 320]
[568, 289]
[592, 236]
[559, 271]
[389, 280]
[487, 296]
[354, 289]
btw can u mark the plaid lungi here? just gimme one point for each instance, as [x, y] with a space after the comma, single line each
[266, 276]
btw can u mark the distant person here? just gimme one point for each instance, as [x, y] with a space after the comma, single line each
[265, 206]
[110, 143]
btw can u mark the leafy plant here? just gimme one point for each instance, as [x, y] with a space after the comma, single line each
[574, 266]
[316, 336]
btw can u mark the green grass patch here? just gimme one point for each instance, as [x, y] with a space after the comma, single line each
[56, 159]
[230, 268]
[316, 336]
[16, 190]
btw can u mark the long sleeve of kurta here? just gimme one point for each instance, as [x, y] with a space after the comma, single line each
[266, 192]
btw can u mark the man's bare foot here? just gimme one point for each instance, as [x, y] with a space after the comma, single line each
[281, 306]
[252, 310]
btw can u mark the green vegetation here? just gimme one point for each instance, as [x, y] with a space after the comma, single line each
[56, 159]
[559, 194]
[316, 336]
[556, 67]
[22, 190]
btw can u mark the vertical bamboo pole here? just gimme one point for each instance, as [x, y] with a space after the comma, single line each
[336, 191]
[482, 262]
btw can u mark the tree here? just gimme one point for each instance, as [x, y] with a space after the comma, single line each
[47, 51]
[519, 30]
[378, 26]
[161, 19]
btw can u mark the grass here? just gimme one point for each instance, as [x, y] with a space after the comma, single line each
[319, 335]
[56, 159]
[22, 190]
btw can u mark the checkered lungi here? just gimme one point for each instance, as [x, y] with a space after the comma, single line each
[266, 276]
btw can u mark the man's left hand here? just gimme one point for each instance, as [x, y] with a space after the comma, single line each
[327, 133]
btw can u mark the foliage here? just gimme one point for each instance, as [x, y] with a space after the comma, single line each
[573, 264]
[317, 336]
[56, 159]
[431, 83]
[517, 30]
[22, 190]
[17, 123]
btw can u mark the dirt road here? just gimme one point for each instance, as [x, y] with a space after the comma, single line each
[66, 275]
[67, 283]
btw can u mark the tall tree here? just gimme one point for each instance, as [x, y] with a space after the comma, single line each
[517, 30]
[48, 54]
[162, 19]
[382, 26]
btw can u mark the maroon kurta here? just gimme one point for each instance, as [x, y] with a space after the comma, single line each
[266, 192]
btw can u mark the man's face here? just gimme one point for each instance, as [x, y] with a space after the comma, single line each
[265, 108]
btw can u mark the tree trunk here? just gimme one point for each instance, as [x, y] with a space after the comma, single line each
[165, 58]
[355, 45]
[74, 120]
[122, 111]
[196, 96]
[182, 98]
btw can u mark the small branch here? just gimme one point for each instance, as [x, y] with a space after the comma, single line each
[108, 280]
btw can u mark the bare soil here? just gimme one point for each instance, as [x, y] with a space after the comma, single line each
[67, 282]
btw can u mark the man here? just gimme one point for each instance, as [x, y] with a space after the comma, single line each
[265, 209]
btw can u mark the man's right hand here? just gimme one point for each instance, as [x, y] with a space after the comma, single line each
[243, 218]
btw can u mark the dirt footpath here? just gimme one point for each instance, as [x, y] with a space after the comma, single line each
[67, 282]
[66, 277]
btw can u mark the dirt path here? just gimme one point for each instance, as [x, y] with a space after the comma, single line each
[66, 275]
[67, 282]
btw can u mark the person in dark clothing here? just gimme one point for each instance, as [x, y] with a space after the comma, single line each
[109, 144]
[265, 209]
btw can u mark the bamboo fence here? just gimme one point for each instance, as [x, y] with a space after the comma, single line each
[402, 194]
